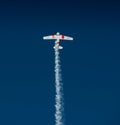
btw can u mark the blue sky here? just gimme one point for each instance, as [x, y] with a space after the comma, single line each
[90, 64]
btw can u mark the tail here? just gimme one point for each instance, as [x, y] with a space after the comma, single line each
[58, 47]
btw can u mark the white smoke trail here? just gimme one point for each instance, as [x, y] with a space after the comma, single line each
[59, 91]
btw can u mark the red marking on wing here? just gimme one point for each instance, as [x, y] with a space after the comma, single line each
[62, 36]
[52, 36]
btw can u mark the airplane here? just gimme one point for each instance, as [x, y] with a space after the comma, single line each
[57, 37]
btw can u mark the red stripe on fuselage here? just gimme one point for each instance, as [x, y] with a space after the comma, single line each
[58, 43]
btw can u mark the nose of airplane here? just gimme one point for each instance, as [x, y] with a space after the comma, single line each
[58, 33]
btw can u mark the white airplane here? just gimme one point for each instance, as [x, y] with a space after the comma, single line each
[57, 37]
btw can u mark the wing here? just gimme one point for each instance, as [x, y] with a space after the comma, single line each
[65, 37]
[49, 37]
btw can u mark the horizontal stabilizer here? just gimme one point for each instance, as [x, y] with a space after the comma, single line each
[58, 47]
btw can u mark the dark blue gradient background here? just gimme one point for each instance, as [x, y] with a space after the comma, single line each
[90, 64]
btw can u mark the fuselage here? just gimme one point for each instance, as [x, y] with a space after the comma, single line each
[57, 42]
